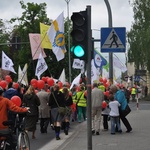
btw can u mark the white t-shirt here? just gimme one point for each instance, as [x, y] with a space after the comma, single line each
[114, 108]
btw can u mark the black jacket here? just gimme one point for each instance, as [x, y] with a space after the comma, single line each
[32, 101]
[69, 101]
[59, 96]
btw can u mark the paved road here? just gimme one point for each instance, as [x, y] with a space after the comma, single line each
[139, 139]
[48, 141]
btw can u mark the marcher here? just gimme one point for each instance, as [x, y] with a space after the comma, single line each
[30, 99]
[114, 114]
[20, 92]
[101, 86]
[68, 103]
[74, 112]
[5, 105]
[44, 109]
[105, 114]
[120, 97]
[127, 94]
[56, 98]
[81, 104]
[51, 118]
[145, 91]
[97, 98]
[9, 93]
[133, 93]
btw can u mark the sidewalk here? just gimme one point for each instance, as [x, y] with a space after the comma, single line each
[138, 139]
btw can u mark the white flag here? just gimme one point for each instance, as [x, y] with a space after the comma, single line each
[117, 63]
[62, 77]
[19, 74]
[24, 71]
[22, 75]
[41, 66]
[78, 64]
[95, 74]
[7, 63]
[57, 38]
[76, 81]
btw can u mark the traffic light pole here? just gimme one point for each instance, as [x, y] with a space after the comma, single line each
[89, 48]
[110, 53]
[69, 59]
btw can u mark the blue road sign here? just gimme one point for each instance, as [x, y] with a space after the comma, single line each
[113, 39]
[137, 78]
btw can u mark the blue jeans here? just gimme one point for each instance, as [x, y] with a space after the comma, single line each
[115, 122]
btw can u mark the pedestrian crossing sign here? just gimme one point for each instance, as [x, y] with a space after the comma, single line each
[113, 39]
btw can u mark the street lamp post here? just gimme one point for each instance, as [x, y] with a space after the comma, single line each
[67, 1]
[110, 53]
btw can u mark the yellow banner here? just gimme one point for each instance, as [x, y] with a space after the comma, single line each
[44, 37]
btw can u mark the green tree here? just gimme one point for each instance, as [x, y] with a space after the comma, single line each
[29, 22]
[4, 36]
[138, 37]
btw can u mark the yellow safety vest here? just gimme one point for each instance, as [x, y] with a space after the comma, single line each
[74, 98]
[82, 100]
[133, 91]
[102, 87]
[61, 90]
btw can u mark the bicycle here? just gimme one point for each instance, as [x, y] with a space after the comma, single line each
[6, 142]
[23, 138]
[19, 134]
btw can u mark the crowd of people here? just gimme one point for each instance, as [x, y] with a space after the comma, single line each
[44, 107]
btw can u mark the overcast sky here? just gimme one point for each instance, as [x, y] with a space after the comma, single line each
[122, 13]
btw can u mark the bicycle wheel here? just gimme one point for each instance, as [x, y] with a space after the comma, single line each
[23, 141]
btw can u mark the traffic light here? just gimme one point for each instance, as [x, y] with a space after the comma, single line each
[79, 35]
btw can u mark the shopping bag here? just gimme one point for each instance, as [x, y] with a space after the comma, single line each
[126, 111]
[62, 110]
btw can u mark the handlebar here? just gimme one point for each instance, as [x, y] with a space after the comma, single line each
[8, 123]
[29, 111]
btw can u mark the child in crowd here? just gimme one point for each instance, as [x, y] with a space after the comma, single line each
[105, 113]
[114, 114]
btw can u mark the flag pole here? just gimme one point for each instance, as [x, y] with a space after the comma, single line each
[32, 57]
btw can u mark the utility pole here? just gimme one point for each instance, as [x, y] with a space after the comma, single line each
[110, 53]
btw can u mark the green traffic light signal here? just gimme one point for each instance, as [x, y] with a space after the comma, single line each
[79, 51]
[79, 35]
